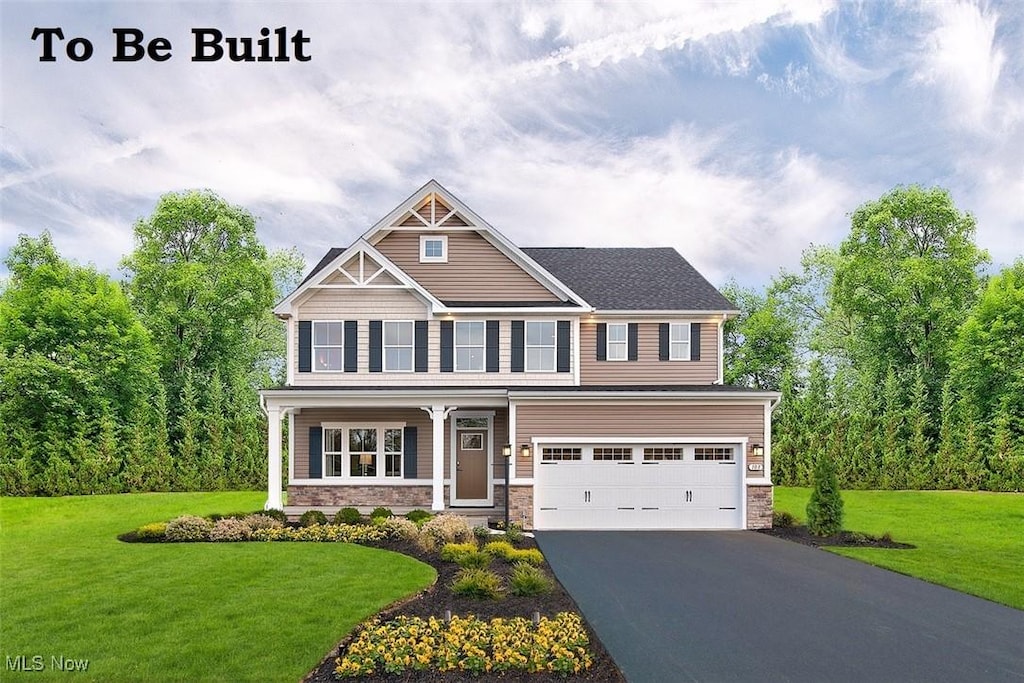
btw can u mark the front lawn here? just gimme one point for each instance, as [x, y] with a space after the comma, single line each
[188, 612]
[970, 541]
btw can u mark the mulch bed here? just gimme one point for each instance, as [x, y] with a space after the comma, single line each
[438, 598]
[847, 539]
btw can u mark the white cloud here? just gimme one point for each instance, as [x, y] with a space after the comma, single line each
[962, 58]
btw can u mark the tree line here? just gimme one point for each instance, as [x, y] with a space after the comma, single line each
[150, 384]
[897, 357]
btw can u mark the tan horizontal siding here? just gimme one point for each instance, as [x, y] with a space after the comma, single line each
[604, 420]
[647, 369]
[433, 376]
[475, 270]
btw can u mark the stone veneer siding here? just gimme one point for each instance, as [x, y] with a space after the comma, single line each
[759, 507]
[361, 496]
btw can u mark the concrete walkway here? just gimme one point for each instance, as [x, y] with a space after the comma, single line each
[743, 606]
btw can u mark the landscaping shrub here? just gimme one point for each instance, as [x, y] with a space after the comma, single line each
[528, 580]
[783, 520]
[399, 527]
[825, 508]
[323, 533]
[311, 517]
[452, 552]
[347, 516]
[468, 645]
[514, 533]
[474, 560]
[154, 531]
[279, 515]
[188, 528]
[447, 528]
[380, 512]
[260, 520]
[230, 529]
[500, 549]
[477, 583]
[418, 516]
[528, 555]
[481, 532]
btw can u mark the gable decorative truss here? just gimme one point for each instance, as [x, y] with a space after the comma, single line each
[432, 207]
[360, 266]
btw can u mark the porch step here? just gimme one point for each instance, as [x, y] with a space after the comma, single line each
[475, 516]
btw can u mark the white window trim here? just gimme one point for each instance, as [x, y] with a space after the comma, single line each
[443, 258]
[608, 342]
[313, 345]
[456, 346]
[527, 346]
[384, 346]
[346, 454]
[689, 341]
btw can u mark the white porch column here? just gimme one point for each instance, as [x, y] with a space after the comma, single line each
[437, 414]
[273, 459]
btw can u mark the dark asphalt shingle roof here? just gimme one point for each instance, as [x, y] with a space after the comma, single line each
[617, 278]
[631, 278]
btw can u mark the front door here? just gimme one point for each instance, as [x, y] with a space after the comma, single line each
[470, 465]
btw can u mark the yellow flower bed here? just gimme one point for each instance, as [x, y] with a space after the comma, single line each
[556, 645]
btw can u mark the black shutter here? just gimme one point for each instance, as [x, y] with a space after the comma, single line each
[562, 338]
[491, 341]
[351, 346]
[663, 341]
[447, 346]
[316, 453]
[694, 341]
[602, 341]
[518, 345]
[420, 345]
[409, 453]
[376, 346]
[632, 353]
[305, 346]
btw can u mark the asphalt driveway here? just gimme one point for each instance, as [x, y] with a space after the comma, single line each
[742, 606]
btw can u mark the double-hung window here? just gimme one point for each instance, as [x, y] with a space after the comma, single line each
[392, 452]
[334, 453]
[469, 346]
[327, 346]
[363, 450]
[540, 346]
[679, 341]
[398, 346]
[618, 344]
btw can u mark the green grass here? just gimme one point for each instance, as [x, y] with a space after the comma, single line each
[186, 612]
[970, 541]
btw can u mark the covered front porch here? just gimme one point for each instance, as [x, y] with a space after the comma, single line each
[404, 449]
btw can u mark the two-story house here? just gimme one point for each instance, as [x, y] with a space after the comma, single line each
[433, 348]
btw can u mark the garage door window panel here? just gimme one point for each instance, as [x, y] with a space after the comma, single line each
[561, 454]
[659, 453]
[613, 454]
[714, 454]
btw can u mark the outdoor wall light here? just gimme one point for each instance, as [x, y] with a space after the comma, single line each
[757, 449]
[524, 451]
[506, 450]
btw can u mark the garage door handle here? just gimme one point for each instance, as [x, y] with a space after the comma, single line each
[649, 508]
[726, 508]
[627, 508]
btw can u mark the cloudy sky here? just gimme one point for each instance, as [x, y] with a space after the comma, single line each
[739, 133]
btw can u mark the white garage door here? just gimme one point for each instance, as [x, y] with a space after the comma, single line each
[638, 486]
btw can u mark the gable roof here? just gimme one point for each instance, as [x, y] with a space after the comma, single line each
[631, 278]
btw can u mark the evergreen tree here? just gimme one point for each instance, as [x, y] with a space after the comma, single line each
[825, 508]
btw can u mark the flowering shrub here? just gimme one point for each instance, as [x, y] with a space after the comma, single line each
[230, 529]
[399, 527]
[467, 644]
[448, 529]
[323, 533]
[188, 528]
[262, 521]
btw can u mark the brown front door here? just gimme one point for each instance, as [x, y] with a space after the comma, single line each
[470, 465]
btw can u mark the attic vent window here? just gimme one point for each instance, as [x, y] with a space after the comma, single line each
[434, 249]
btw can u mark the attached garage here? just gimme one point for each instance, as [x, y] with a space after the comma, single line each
[639, 484]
